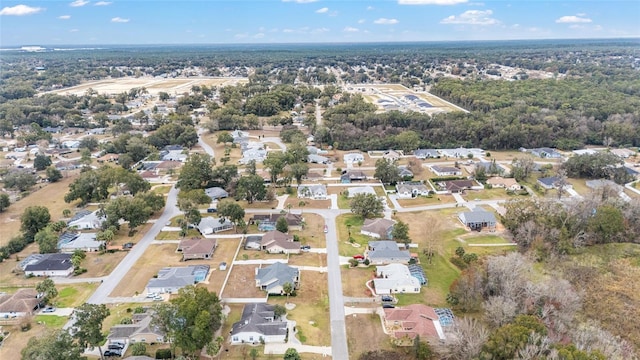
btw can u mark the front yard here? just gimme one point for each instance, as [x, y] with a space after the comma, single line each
[351, 223]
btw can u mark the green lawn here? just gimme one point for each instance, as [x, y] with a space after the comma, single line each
[485, 239]
[175, 235]
[344, 202]
[355, 221]
[487, 194]
[74, 295]
[51, 321]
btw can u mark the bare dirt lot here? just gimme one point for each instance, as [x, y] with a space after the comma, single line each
[364, 333]
[354, 280]
[242, 283]
[153, 85]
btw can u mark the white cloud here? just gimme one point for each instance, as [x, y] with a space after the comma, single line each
[258, 36]
[319, 30]
[572, 19]
[581, 14]
[118, 19]
[369, 8]
[74, 30]
[288, 31]
[350, 29]
[471, 17]
[300, 1]
[385, 21]
[64, 17]
[431, 2]
[102, 3]
[79, 3]
[322, 10]
[20, 10]
[361, 21]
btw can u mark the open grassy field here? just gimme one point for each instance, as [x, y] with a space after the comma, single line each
[224, 253]
[52, 193]
[313, 232]
[312, 309]
[73, 295]
[17, 340]
[364, 333]
[354, 280]
[294, 201]
[241, 283]
[101, 264]
[350, 223]
[153, 85]
[308, 259]
[487, 194]
[426, 200]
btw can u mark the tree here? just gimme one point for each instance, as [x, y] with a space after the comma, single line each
[607, 224]
[53, 174]
[19, 179]
[41, 162]
[53, 345]
[34, 219]
[292, 354]
[224, 137]
[48, 290]
[191, 318]
[275, 163]
[281, 225]
[87, 328]
[138, 349]
[90, 143]
[400, 233]
[279, 310]
[196, 173]
[5, 201]
[231, 210]
[366, 205]
[408, 140]
[421, 349]
[506, 341]
[288, 289]
[387, 172]
[468, 337]
[298, 171]
[521, 168]
[47, 240]
[253, 353]
[251, 188]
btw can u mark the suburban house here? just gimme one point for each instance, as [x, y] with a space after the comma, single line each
[426, 154]
[413, 320]
[489, 167]
[69, 242]
[386, 252]
[353, 191]
[316, 192]
[353, 158]
[405, 173]
[108, 158]
[267, 222]
[85, 219]
[446, 170]
[395, 278]
[209, 225]
[275, 242]
[391, 155]
[378, 228]
[461, 152]
[478, 219]
[457, 186]
[410, 190]
[349, 176]
[552, 182]
[272, 278]
[140, 330]
[47, 265]
[505, 183]
[601, 183]
[216, 193]
[546, 152]
[71, 144]
[239, 134]
[172, 279]
[258, 325]
[23, 302]
[317, 159]
[174, 155]
[252, 242]
[314, 150]
[197, 248]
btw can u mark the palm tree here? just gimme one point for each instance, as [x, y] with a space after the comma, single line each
[287, 288]
[302, 204]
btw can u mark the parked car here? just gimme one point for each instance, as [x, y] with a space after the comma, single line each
[127, 246]
[305, 247]
[151, 295]
[49, 309]
[387, 298]
[388, 306]
[326, 229]
[116, 346]
[110, 353]
[212, 210]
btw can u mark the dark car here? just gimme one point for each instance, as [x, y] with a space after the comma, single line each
[127, 246]
[387, 298]
[388, 306]
[112, 353]
[116, 346]
[212, 210]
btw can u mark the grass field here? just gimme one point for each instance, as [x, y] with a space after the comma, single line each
[354, 280]
[73, 295]
[53, 194]
[486, 194]
[484, 239]
[355, 222]
[425, 200]
[51, 321]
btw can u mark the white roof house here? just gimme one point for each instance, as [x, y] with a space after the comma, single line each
[70, 242]
[85, 220]
[175, 155]
[317, 192]
[395, 278]
[209, 225]
[461, 152]
[353, 191]
[351, 158]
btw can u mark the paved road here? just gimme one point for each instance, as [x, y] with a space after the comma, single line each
[204, 145]
[110, 283]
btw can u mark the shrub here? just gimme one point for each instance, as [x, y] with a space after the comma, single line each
[163, 354]
[139, 349]
[458, 262]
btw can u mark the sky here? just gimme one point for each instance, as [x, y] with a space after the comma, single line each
[93, 22]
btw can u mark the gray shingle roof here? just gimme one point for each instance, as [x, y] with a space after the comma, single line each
[259, 318]
[276, 275]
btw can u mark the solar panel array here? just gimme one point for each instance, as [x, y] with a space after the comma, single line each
[445, 316]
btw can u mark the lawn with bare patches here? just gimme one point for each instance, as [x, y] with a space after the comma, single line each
[364, 333]
[294, 201]
[354, 281]
[242, 283]
[426, 200]
[259, 255]
[224, 253]
[308, 259]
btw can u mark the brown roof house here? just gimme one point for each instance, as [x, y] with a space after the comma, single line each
[457, 186]
[275, 242]
[405, 323]
[141, 330]
[22, 303]
[197, 248]
[506, 183]
[379, 228]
